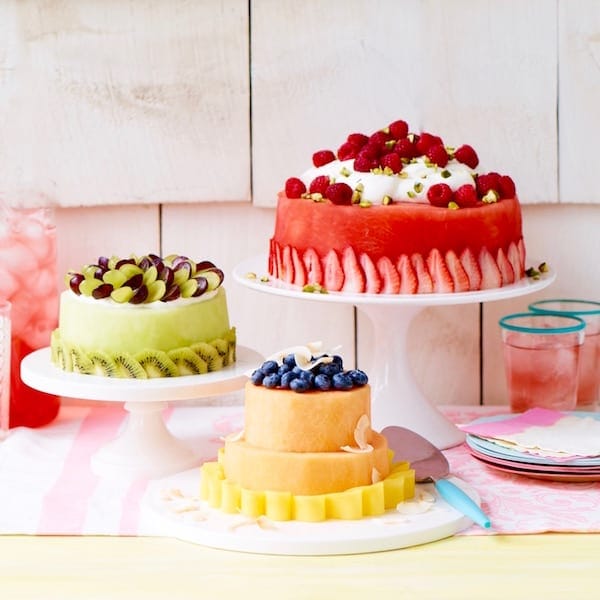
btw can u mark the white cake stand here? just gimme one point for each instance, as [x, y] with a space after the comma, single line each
[397, 400]
[145, 447]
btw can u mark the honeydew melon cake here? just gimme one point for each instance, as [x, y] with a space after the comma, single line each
[144, 317]
[398, 213]
[307, 450]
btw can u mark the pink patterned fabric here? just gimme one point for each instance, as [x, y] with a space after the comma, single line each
[48, 487]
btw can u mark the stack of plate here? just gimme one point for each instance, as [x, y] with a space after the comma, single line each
[500, 457]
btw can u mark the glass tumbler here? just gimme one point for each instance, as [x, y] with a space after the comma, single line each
[589, 360]
[541, 359]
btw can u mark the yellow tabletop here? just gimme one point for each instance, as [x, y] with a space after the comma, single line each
[488, 567]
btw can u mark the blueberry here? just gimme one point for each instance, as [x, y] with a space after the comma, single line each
[337, 360]
[329, 369]
[290, 361]
[308, 376]
[358, 377]
[322, 382]
[269, 366]
[284, 369]
[299, 385]
[342, 381]
[297, 370]
[287, 378]
[257, 377]
[272, 380]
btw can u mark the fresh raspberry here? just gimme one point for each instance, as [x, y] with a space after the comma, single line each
[398, 129]
[437, 154]
[467, 156]
[392, 161]
[379, 138]
[506, 187]
[347, 151]
[319, 184]
[364, 163]
[372, 150]
[294, 187]
[404, 148]
[339, 193]
[466, 196]
[426, 140]
[440, 194]
[358, 139]
[322, 157]
[487, 182]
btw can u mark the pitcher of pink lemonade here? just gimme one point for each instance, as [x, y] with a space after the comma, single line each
[28, 280]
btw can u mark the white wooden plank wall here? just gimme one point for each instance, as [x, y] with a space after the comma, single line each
[134, 117]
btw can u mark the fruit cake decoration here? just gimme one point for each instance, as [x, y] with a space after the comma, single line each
[303, 369]
[144, 317]
[395, 165]
[145, 279]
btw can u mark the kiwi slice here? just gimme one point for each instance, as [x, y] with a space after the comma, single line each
[188, 362]
[209, 354]
[102, 364]
[60, 354]
[222, 347]
[128, 367]
[156, 363]
[80, 362]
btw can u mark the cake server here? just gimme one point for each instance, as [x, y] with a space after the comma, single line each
[431, 465]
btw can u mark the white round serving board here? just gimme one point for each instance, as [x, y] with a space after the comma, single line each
[199, 524]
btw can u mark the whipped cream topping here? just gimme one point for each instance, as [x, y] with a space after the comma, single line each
[410, 185]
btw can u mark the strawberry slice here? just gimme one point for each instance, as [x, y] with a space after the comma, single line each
[521, 249]
[312, 265]
[425, 283]
[459, 275]
[373, 279]
[490, 273]
[506, 270]
[354, 278]
[333, 272]
[389, 276]
[287, 265]
[408, 277]
[514, 258]
[299, 270]
[442, 280]
[471, 267]
[273, 247]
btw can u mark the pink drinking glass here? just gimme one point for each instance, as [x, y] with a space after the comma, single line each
[588, 393]
[541, 359]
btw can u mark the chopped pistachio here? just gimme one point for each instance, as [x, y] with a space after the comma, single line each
[543, 267]
[250, 275]
[390, 144]
[490, 197]
[386, 200]
[316, 196]
[411, 137]
[365, 203]
[533, 273]
[418, 187]
[403, 175]
[314, 288]
[445, 174]
[356, 195]
[387, 171]
[452, 205]
[411, 194]
[386, 130]
[345, 171]
[377, 171]
[360, 187]
[264, 278]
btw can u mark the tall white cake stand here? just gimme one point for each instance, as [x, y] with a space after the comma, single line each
[144, 447]
[397, 399]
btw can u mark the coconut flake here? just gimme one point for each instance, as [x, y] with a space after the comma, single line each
[234, 436]
[361, 430]
[375, 476]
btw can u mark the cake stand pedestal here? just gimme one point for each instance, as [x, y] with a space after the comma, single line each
[144, 447]
[397, 399]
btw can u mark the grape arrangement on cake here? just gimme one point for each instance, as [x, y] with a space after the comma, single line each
[396, 212]
[144, 317]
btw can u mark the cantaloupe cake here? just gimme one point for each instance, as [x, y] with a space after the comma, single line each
[144, 317]
[398, 213]
[307, 451]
